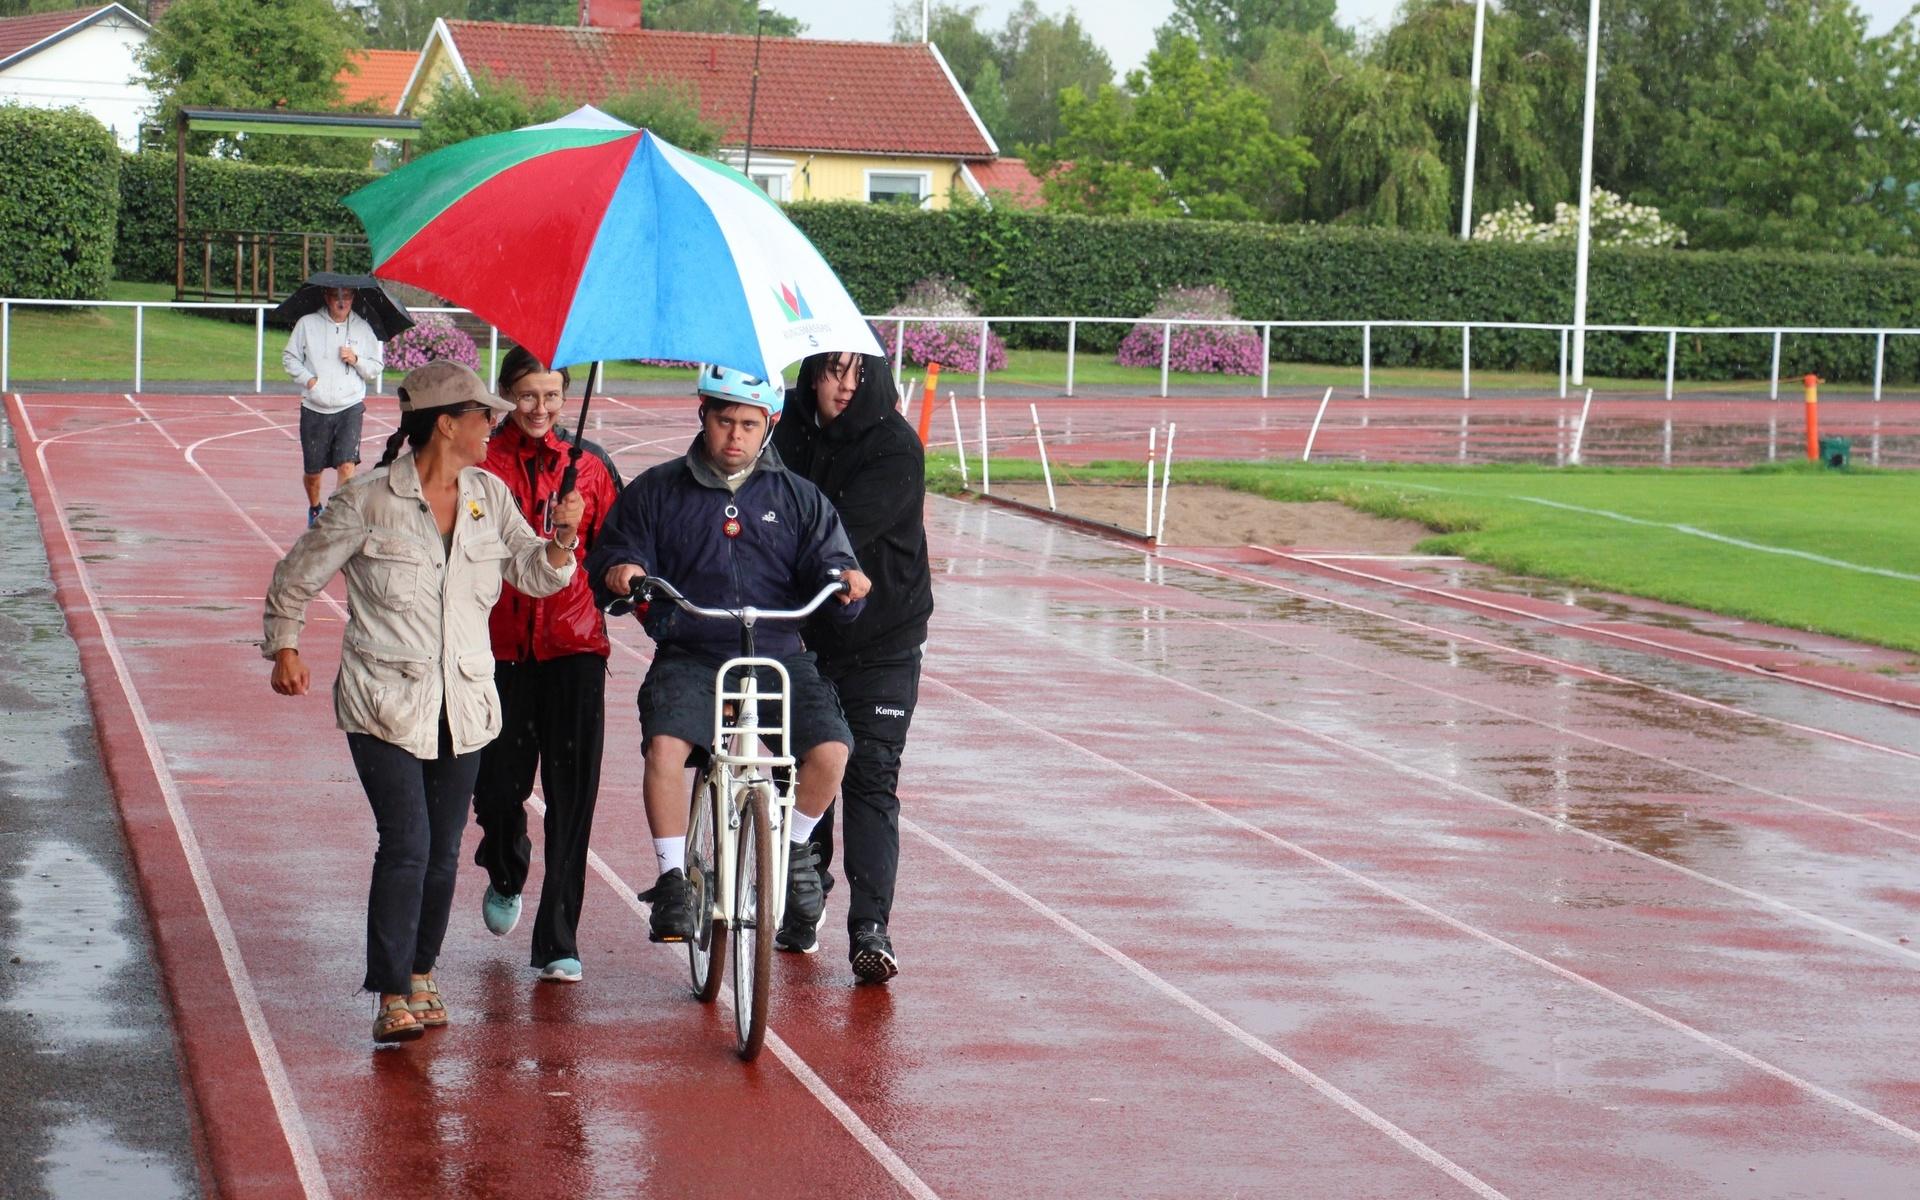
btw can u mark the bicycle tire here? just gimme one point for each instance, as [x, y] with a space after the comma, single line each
[707, 948]
[752, 943]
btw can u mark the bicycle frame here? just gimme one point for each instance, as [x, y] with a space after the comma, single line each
[735, 762]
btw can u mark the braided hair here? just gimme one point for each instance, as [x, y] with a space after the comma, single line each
[416, 430]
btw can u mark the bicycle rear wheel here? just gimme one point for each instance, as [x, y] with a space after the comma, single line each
[753, 930]
[707, 948]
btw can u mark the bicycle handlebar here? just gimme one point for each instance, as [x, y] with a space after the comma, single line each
[646, 587]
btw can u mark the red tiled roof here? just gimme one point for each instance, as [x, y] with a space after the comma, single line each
[1011, 177]
[872, 97]
[17, 33]
[377, 75]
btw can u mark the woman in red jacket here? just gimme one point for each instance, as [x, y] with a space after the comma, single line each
[552, 676]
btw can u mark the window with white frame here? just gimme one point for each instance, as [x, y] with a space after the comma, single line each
[774, 176]
[899, 187]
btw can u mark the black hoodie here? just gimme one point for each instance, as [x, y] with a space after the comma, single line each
[870, 464]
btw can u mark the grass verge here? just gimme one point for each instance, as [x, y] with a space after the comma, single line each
[1791, 545]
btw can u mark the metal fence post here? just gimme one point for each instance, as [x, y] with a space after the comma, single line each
[493, 353]
[1266, 358]
[1774, 392]
[1563, 362]
[1466, 362]
[6, 342]
[1166, 353]
[981, 387]
[139, 341]
[1673, 343]
[899, 348]
[1879, 361]
[1073, 335]
[1366, 362]
[259, 349]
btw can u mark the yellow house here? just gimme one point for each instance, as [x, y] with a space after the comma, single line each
[876, 121]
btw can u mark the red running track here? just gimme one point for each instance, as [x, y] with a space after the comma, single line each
[1216, 880]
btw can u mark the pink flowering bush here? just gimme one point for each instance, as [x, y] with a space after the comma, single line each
[955, 345]
[1215, 349]
[432, 337]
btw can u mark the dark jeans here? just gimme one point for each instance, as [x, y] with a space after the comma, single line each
[420, 810]
[879, 698]
[552, 717]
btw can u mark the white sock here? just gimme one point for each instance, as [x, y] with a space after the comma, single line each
[800, 827]
[671, 853]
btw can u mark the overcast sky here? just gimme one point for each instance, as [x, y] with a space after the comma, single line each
[1125, 27]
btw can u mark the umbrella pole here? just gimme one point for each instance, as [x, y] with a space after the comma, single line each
[579, 434]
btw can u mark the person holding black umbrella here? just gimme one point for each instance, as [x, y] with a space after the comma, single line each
[333, 354]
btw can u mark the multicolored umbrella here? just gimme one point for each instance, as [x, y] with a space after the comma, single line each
[587, 239]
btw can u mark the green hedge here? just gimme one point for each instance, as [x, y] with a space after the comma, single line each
[1038, 263]
[226, 195]
[58, 203]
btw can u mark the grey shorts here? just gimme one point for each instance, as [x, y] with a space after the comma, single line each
[677, 700]
[330, 439]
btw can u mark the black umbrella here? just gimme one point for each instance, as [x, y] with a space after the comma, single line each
[387, 315]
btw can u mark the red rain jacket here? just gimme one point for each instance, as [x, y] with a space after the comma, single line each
[567, 622]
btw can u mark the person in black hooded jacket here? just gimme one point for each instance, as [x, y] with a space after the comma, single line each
[844, 433]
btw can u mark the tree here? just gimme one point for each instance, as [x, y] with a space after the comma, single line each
[404, 24]
[717, 16]
[495, 106]
[1041, 56]
[989, 99]
[956, 31]
[1183, 138]
[1239, 30]
[243, 54]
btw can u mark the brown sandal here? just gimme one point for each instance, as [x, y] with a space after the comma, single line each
[425, 1003]
[393, 1021]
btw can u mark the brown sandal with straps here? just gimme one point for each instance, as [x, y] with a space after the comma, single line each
[393, 1021]
[425, 1003]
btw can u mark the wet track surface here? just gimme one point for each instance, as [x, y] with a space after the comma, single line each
[1219, 872]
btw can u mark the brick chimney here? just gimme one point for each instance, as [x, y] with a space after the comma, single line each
[610, 14]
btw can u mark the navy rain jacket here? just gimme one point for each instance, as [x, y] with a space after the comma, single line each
[670, 521]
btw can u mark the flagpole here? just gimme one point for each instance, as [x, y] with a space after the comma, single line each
[1586, 201]
[1473, 119]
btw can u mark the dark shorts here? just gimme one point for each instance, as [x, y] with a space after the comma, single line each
[330, 439]
[677, 700]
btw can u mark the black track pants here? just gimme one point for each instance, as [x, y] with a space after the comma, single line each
[878, 698]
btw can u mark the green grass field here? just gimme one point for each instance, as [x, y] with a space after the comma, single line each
[1747, 543]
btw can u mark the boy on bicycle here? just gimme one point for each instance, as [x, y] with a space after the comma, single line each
[730, 527]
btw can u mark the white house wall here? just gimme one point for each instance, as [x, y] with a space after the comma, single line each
[92, 70]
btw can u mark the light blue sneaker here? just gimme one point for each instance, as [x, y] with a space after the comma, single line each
[501, 913]
[562, 970]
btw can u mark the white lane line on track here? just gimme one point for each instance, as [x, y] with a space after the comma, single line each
[1548, 659]
[1732, 664]
[1351, 748]
[821, 1091]
[842, 1112]
[1247, 629]
[286, 1108]
[1745, 1057]
[1401, 1137]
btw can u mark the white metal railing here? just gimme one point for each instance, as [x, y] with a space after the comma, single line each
[1266, 328]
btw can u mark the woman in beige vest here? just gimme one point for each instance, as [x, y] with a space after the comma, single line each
[425, 541]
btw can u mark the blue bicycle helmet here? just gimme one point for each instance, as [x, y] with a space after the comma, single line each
[729, 386]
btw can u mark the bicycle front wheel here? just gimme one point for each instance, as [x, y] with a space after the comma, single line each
[753, 930]
[707, 948]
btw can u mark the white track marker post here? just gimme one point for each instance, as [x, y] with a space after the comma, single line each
[140, 338]
[1046, 472]
[259, 348]
[1312, 433]
[1148, 529]
[1580, 430]
[959, 442]
[1166, 483]
[986, 479]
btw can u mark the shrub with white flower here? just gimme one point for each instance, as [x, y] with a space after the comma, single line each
[433, 336]
[1221, 349]
[1613, 222]
[952, 344]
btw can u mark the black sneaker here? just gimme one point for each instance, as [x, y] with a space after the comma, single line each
[872, 953]
[806, 902]
[672, 919]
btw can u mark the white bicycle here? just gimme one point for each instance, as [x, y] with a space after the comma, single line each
[736, 861]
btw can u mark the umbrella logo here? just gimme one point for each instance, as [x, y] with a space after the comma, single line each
[792, 303]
